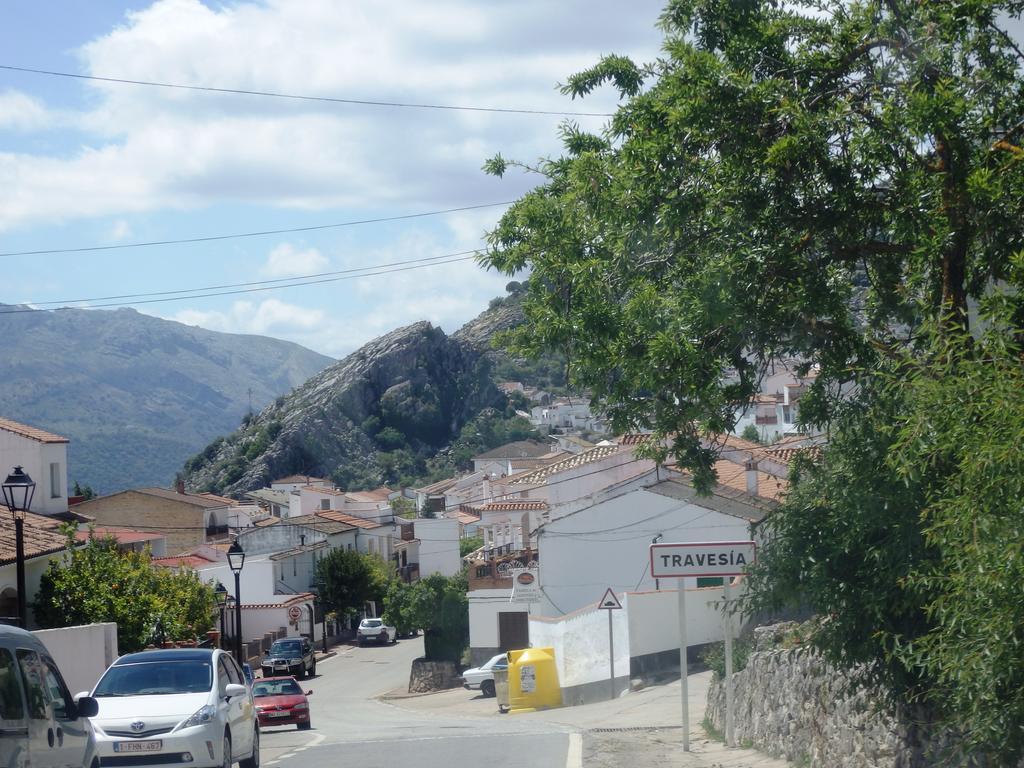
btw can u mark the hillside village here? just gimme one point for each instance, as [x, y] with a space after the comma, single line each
[534, 505]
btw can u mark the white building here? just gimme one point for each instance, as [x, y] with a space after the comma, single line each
[44, 457]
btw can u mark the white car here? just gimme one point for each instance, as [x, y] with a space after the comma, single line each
[182, 705]
[482, 677]
[375, 631]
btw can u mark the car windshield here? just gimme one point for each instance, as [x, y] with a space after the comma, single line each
[156, 678]
[290, 647]
[499, 661]
[372, 622]
[276, 688]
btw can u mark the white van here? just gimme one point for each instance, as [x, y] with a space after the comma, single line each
[41, 726]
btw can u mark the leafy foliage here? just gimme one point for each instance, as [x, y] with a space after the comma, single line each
[99, 583]
[836, 182]
[470, 544]
[437, 604]
[350, 579]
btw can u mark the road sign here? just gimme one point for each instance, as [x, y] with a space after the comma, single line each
[609, 602]
[703, 558]
[295, 613]
[525, 586]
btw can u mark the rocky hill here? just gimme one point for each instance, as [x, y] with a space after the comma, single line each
[135, 394]
[398, 399]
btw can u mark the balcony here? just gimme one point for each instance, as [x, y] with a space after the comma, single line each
[495, 570]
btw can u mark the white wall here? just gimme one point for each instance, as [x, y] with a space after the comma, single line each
[34, 570]
[654, 619]
[256, 622]
[35, 458]
[581, 645]
[257, 579]
[484, 607]
[439, 546]
[82, 653]
[607, 545]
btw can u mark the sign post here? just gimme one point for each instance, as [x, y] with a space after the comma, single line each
[693, 559]
[610, 603]
[730, 736]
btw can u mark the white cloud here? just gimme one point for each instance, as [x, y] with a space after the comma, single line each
[174, 149]
[121, 230]
[20, 112]
[288, 261]
[270, 317]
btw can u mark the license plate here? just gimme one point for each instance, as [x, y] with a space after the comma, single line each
[278, 714]
[138, 746]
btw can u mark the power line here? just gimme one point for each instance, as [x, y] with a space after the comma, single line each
[261, 233]
[427, 260]
[243, 290]
[300, 97]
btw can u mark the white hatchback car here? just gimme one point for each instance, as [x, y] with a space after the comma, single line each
[482, 677]
[182, 705]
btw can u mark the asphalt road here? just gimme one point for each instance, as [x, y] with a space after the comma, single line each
[351, 727]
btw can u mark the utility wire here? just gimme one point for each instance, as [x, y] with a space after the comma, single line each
[426, 262]
[298, 97]
[243, 290]
[262, 233]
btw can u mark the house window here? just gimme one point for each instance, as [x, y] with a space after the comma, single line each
[55, 492]
[325, 503]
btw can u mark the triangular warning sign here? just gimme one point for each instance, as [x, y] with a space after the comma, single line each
[609, 601]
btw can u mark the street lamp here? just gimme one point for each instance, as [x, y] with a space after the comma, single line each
[220, 596]
[317, 587]
[236, 559]
[18, 490]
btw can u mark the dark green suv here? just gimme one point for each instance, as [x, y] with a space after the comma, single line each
[289, 656]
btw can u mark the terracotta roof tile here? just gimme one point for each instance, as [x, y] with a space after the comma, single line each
[178, 561]
[377, 494]
[121, 535]
[321, 523]
[732, 478]
[32, 433]
[304, 479]
[541, 475]
[222, 499]
[635, 438]
[39, 536]
[301, 597]
[341, 517]
[520, 505]
[520, 449]
[439, 487]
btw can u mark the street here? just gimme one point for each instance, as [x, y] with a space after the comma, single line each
[348, 722]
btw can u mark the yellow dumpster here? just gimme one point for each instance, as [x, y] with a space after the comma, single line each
[501, 688]
[533, 680]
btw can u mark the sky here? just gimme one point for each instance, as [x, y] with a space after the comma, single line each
[86, 163]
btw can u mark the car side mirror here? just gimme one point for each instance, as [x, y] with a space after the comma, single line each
[309, 693]
[86, 706]
[234, 689]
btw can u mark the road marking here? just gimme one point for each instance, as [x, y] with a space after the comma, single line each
[574, 754]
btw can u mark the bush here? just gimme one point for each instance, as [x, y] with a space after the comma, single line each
[714, 656]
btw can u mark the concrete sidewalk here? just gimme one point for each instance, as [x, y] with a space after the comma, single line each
[642, 727]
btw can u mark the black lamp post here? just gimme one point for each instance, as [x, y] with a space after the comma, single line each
[317, 588]
[18, 491]
[220, 596]
[236, 559]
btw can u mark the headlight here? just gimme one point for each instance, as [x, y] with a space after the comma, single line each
[301, 705]
[201, 716]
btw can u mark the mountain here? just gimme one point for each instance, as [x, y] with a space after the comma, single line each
[135, 394]
[398, 399]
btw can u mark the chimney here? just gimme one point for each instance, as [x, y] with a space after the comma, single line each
[179, 485]
[487, 488]
[751, 471]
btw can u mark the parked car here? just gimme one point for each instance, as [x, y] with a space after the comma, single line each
[482, 677]
[35, 704]
[179, 705]
[375, 631]
[280, 701]
[289, 656]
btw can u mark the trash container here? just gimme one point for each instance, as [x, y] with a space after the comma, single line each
[501, 688]
[533, 680]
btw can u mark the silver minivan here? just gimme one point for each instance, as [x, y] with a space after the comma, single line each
[41, 726]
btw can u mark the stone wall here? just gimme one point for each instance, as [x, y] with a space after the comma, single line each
[792, 704]
[429, 676]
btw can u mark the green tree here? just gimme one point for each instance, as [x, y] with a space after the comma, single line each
[751, 433]
[470, 544]
[350, 579]
[836, 182]
[437, 604]
[96, 582]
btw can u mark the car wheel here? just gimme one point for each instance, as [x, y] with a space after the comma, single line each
[487, 688]
[226, 762]
[305, 726]
[253, 761]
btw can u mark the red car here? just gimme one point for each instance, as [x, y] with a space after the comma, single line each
[280, 701]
